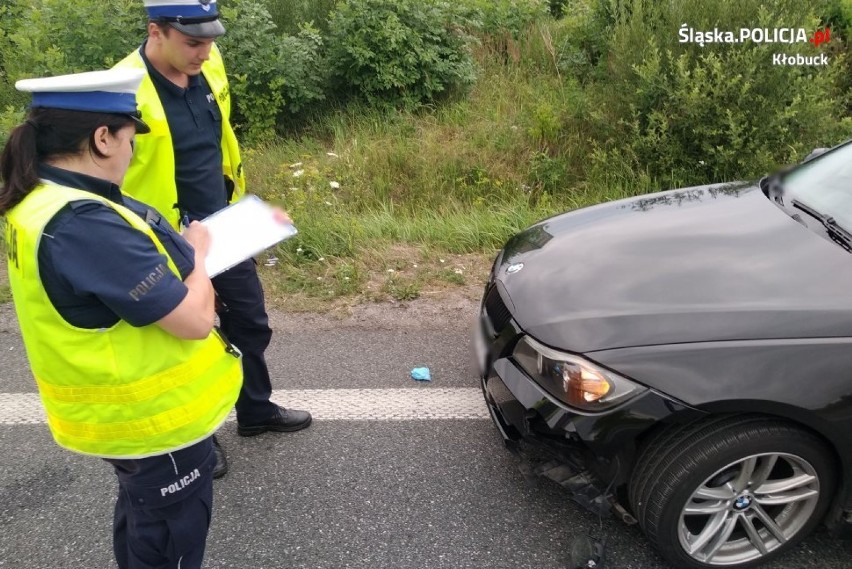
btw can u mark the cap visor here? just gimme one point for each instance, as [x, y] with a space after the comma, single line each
[141, 126]
[211, 29]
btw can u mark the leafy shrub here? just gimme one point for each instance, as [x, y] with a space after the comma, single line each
[838, 18]
[271, 75]
[10, 117]
[53, 37]
[546, 174]
[682, 113]
[509, 18]
[399, 52]
[579, 39]
[711, 124]
[500, 24]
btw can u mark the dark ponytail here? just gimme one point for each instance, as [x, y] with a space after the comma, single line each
[18, 166]
[48, 133]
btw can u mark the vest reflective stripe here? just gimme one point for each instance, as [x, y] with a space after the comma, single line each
[147, 427]
[122, 392]
[142, 390]
[151, 177]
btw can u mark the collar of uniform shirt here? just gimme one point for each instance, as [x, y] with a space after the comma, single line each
[103, 188]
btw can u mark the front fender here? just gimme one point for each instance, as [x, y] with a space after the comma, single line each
[807, 381]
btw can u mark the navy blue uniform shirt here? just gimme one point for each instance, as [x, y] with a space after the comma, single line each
[195, 123]
[92, 262]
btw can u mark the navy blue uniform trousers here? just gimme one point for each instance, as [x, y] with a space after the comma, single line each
[243, 319]
[164, 508]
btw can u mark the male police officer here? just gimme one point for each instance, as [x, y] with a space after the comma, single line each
[189, 167]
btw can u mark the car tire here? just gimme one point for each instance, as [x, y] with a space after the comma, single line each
[731, 491]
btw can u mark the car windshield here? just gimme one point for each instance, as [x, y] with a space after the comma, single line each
[824, 185]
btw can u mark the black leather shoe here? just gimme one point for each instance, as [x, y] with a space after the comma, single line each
[284, 421]
[221, 467]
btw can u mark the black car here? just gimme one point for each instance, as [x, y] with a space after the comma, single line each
[685, 359]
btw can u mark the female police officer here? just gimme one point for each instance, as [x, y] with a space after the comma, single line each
[116, 313]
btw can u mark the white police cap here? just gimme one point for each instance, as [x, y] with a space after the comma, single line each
[196, 18]
[109, 91]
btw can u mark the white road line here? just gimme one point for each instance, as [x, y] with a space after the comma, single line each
[410, 404]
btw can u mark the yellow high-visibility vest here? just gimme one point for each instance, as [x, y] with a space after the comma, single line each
[151, 177]
[120, 392]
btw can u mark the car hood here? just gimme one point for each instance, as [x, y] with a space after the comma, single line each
[710, 263]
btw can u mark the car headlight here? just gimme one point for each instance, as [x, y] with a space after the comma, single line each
[572, 379]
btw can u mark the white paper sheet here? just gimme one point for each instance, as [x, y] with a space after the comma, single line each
[242, 230]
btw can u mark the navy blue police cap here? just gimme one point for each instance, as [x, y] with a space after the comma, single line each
[110, 91]
[196, 18]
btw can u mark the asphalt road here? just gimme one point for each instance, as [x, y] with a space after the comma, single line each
[393, 490]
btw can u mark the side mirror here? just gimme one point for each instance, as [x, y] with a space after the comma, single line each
[814, 153]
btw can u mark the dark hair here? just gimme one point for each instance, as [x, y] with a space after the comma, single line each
[48, 133]
[162, 24]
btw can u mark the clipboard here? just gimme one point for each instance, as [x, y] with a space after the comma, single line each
[241, 231]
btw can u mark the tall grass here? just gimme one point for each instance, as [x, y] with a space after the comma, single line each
[461, 178]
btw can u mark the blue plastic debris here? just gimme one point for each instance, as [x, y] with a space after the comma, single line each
[421, 374]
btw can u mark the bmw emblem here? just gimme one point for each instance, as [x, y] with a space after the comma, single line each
[742, 502]
[514, 268]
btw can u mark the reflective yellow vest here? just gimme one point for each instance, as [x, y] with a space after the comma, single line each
[151, 177]
[120, 392]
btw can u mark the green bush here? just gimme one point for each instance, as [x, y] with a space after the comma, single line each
[53, 37]
[272, 76]
[398, 52]
[711, 124]
[839, 19]
[579, 39]
[500, 24]
[681, 113]
[504, 18]
[10, 117]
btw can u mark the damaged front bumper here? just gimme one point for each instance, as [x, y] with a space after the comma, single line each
[562, 459]
[590, 454]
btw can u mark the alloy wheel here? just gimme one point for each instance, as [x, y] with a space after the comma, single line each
[748, 508]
